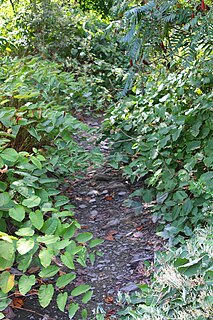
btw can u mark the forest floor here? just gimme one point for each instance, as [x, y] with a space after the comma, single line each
[129, 239]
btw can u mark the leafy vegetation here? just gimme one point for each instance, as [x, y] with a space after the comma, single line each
[58, 62]
[182, 285]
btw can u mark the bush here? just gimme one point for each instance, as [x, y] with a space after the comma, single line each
[164, 137]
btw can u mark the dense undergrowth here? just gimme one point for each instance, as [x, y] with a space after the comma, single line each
[57, 62]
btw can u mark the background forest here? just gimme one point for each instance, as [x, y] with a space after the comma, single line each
[147, 67]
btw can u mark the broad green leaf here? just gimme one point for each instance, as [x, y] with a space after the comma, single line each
[84, 237]
[31, 202]
[45, 294]
[87, 296]
[24, 245]
[10, 155]
[6, 250]
[50, 226]
[48, 239]
[73, 308]
[17, 213]
[95, 242]
[4, 199]
[2, 315]
[45, 257]
[84, 314]
[62, 300]
[36, 162]
[49, 272]
[67, 259]
[5, 263]
[37, 219]
[3, 186]
[64, 280]
[25, 283]
[25, 232]
[80, 289]
[7, 281]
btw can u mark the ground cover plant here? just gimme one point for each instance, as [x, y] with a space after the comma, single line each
[149, 67]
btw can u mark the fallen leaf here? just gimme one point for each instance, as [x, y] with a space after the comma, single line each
[110, 235]
[109, 299]
[33, 270]
[17, 303]
[109, 198]
[139, 228]
[84, 227]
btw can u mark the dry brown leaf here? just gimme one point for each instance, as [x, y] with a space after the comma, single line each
[109, 299]
[17, 303]
[110, 235]
[33, 270]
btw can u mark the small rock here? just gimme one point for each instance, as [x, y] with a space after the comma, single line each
[94, 212]
[112, 223]
[92, 193]
[122, 193]
[92, 200]
[82, 206]
[105, 192]
[129, 287]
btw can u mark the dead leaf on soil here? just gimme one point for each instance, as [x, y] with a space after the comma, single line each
[109, 299]
[33, 270]
[84, 227]
[17, 303]
[110, 235]
[109, 198]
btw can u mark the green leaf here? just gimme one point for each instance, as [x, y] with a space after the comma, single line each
[67, 259]
[95, 242]
[3, 186]
[73, 308]
[17, 213]
[62, 300]
[48, 239]
[25, 283]
[36, 162]
[37, 219]
[10, 155]
[25, 232]
[31, 202]
[64, 280]
[45, 256]
[4, 199]
[2, 316]
[24, 245]
[80, 289]
[49, 271]
[6, 250]
[87, 296]
[84, 237]
[6, 281]
[45, 294]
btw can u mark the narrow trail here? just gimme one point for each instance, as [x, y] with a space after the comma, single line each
[130, 239]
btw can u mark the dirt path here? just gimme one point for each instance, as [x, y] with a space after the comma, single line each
[130, 240]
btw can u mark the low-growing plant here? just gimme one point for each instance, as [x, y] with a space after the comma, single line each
[41, 245]
[181, 286]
